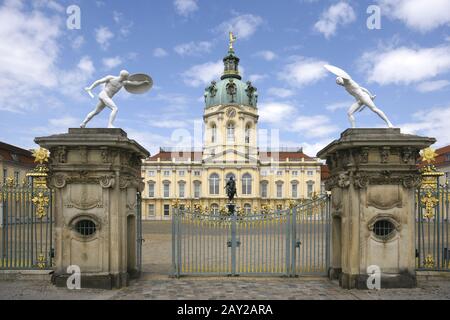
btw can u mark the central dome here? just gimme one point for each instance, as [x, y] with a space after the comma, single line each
[231, 90]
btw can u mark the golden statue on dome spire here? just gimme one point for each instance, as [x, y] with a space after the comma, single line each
[232, 40]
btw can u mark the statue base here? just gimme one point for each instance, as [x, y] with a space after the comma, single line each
[96, 175]
[373, 180]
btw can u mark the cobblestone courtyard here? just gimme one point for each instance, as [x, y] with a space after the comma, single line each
[155, 283]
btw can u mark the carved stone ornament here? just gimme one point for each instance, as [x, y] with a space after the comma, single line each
[384, 154]
[58, 181]
[360, 181]
[412, 181]
[107, 182]
[105, 155]
[364, 155]
[343, 180]
[130, 181]
[61, 155]
[407, 155]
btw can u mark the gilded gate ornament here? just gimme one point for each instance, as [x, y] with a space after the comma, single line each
[429, 201]
[41, 203]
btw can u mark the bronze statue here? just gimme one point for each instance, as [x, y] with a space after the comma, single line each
[231, 188]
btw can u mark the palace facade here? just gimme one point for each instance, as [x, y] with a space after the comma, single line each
[263, 177]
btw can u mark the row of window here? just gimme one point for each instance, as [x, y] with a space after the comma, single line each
[16, 176]
[230, 133]
[214, 188]
[197, 173]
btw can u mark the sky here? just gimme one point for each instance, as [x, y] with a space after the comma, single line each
[45, 62]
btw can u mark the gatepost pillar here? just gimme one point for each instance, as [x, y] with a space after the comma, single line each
[373, 179]
[96, 174]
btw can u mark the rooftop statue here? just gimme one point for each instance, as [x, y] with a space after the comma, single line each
[136, 84]
[363, 96]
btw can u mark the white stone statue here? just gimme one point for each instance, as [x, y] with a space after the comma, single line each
[363, 96]
[138, 83]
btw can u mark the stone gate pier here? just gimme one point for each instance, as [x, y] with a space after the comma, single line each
[96, 174]
[373, 182]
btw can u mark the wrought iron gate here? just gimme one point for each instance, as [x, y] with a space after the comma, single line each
[286, 242]
[139, 238]
[432, 223]
[26, 221]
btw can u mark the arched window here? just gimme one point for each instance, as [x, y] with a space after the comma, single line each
[215, 208]
[214, 184]
[213, 133]
[247, 184]
[247, 208]
[230, 132]
[247, 134]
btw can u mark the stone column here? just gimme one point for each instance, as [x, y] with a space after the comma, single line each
[373, 178]
[95, 174]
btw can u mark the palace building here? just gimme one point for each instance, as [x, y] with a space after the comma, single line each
[263, 177]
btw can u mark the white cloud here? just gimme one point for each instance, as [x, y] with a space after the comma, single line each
[78, 42]
[431, 123]
[50, 4]
[317, 126]
[202, 74]
[311, 149]
[257, 77]
[266, 55]
[275, 112]
[193, 48]
[185, 7]
[29, 49]
[103, 36]
[112, 62]
[421, 15]
[159, 53]
[72, 82]
[280, 92]
[303, 71]
[339, 14]
[339, 105]
[405, 65]
[430, 86]
[244, 26]
[124, 24]
[64, 122]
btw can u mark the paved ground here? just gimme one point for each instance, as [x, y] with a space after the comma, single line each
[162, 288]
[155, 283]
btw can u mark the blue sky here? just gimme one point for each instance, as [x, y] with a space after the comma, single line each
[180, 43]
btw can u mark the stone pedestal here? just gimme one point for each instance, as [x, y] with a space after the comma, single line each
[96, 174]
[373, 179]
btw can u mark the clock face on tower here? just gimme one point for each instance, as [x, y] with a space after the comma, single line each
[231, 113]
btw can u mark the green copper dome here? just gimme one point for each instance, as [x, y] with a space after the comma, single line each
[231, 89]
